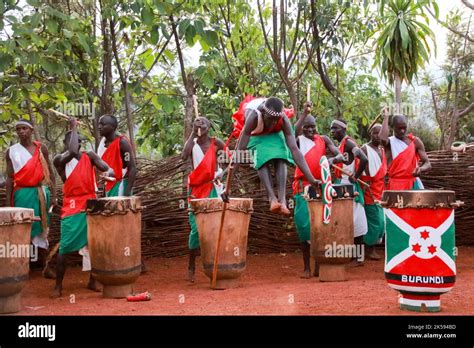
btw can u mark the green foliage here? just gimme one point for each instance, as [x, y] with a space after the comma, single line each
[402, 46]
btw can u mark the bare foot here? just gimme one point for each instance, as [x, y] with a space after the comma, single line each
[306, 274]
[373, 254]
[56, 293]
[49, 273]
[356, 263]
[284, 210]
[144, 268]
[316, 272]
[191, 275]
[275, 207]
[94, 285]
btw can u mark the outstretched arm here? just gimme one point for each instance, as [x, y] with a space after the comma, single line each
[425, 161]
[297, 155]
[302, 116]
[250, 124]
[384, 131]
[100, 164]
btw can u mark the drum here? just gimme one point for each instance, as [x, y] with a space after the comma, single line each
[233, 249]
[420, 246]
[332, 244]
[15, 249]
[114, 242]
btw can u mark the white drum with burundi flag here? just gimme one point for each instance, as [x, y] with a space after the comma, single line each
[420, 246]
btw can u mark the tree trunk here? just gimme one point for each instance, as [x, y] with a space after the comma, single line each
[106, 104]
[455, 114]
[398, 95]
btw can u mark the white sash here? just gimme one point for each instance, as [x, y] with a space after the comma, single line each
[305, 144]
[375, 162]
[19, 156]
[70, 166]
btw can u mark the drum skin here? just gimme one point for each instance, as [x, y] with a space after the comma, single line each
[420, 242]
[339, 232]
[15, 231]
[114, 242]
[233, 248]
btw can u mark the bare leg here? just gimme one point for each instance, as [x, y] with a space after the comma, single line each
[265, 178]
[93, 284]
[193, 253]
[61, 262]
[355, 261]
[281, 172]
[305, 248]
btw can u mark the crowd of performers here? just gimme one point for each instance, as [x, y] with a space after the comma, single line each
[262, 126]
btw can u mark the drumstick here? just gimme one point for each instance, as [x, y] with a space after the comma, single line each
[64, 116]
[308, 93]
[360, 181]
[375, 120]
[195, 102]
[348, 174]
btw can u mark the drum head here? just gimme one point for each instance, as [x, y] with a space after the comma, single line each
[418, 199]
[16, 215]
[208, 205]
[113, 205]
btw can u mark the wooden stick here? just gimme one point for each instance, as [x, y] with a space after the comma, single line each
[64, 116]
[195, 102]
[375, 120]
[221, 226]
[308, 93]
[348, 174]
[358, 180]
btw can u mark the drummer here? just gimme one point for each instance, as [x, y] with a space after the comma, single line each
[30, 184]
[116, 151]
[313, 146]
[76, 170]
[404, 152]
[374, 175]
[202, 181]
[354, 163]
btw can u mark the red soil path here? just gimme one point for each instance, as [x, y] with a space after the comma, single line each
[269, 286]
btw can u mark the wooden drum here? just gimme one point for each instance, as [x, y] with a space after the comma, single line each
[15, 235]
[420, 246]
[233, 250]
[332, 244]
[114, 241]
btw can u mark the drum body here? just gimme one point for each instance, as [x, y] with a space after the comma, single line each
[15, 235]
[332, 244]
[114, 242]
[233, 249]
[420, 246]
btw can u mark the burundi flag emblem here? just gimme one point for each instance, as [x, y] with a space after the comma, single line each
[327, 190]
[420, 260]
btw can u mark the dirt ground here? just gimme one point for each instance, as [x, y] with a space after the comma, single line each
[270, 285]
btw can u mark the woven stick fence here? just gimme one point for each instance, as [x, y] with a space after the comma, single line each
[165, 228]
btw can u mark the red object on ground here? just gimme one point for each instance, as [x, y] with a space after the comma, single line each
[144, 296]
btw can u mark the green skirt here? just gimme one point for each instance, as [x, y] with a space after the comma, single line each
[375, 223]
[301, 218]
[267, 147]
[27, 197]
[73, 233]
